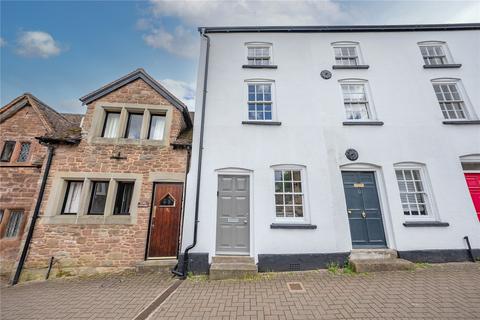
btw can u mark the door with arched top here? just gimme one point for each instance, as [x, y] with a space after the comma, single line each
[165, 221]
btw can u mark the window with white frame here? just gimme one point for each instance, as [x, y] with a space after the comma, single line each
[347, 53]
[260, 101]
[259, 55]
[450, 99]
[355, 100]
[289, 193]
[434, 53]
[413, 191]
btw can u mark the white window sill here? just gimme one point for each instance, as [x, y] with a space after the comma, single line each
[121, 141]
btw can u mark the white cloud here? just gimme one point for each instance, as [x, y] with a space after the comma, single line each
[37, 44]
[182, 90]
[250, 12]
[2, 42]
[181, 42]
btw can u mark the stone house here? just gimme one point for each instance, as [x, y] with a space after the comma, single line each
[21, 165]
[115, 199]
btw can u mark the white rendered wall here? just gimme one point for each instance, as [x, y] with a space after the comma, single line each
[311, 134]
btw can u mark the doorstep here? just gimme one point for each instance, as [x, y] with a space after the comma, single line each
[372, 260]
[232, 267]
[156, 265]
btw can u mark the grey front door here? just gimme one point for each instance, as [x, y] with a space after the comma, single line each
[233, 215]
[363, 210]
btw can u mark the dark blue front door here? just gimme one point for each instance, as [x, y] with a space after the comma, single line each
[363, 209]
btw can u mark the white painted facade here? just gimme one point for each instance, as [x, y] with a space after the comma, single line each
[312, 134]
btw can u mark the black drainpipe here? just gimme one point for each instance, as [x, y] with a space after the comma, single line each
[26, 246]
[183, 272]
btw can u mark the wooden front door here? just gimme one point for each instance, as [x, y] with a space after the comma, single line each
[473, 182]
[166, 219]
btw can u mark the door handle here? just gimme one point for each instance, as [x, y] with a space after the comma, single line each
[349, 211]
[245, 221]
[364, 215]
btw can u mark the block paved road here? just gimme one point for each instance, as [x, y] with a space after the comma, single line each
[446, 291]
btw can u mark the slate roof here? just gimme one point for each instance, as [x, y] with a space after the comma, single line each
[59, 128]
[185, 137]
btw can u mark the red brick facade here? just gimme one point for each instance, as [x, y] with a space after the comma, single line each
[19, 180]
[90, 247]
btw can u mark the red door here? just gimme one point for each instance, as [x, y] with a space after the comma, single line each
[473, 183]
[166, 218]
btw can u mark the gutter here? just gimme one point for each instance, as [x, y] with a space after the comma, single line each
[345, 28]
[183, 273]
[28, 240]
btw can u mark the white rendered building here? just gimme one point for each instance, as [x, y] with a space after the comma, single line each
[319, 140]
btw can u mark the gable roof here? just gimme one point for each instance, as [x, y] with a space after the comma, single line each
[132, 76]
[55, 123]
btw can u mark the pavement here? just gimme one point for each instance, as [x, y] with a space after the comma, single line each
[441, 291]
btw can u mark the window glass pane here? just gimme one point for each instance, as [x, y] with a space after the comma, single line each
[288, 194]
[258, 94]
[24, 152]
[124, 198]
[14, 222]
[1, 215]
[99, 197]
[112, 121]
[157, 127]
[412, 194]
[134, 126]
[7, 150]
[72, 200]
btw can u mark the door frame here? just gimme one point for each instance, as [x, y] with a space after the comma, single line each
[235, 171]
[382, 199]
[149, 229]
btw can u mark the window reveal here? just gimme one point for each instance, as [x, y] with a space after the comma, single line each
[412, 192]
[288, 194]
[260, 101]
[24, 152]
[355, 101]
[123, 198]
[451, 103]
[14, 223]
[110, 128]
[98, 198]
[72, 197]
[7, 151]
[346, 56]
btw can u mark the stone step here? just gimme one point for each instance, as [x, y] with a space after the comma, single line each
[155, 265]
[232, 259]
[373, 254]
[232, 267]
[373, 265]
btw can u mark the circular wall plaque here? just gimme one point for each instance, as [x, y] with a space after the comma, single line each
[325, 74]
[351, 154]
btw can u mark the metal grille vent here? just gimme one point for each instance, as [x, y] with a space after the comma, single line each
[294, 267]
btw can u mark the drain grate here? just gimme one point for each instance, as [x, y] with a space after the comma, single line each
[295, 287]
[294, 267]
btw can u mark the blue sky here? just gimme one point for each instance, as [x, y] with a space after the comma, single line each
[62, 50]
